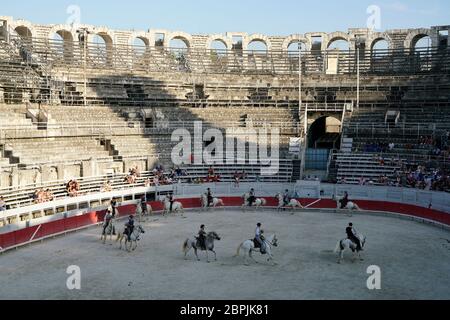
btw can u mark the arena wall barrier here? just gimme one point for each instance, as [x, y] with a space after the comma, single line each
[18, 238]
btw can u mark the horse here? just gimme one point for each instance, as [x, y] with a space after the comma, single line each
[176, 206]
[292, 204]
[108, 231]
[141, 214]
[351, 206]
[249, 247]
[346, 243]
[258, 201]
[134, 238]
[209, 244]
[215, 202]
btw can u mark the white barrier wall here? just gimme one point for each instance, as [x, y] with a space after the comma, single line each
[312, 189]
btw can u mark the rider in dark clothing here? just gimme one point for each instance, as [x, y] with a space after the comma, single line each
[344, 200]
[286, 199]
[143, 205]
[210, 198]
[251, 198]
[129, 227]
[202, 237]
[352, 237]
[171, 202]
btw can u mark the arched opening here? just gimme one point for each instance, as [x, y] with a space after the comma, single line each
[380, 48]
[325, 133]
[293, 48]
[338, 44]
[257, 47]
[421, 47]
[380, 58]
[140, 46]
[218, 53]
[100, 48]
[219, 47]
[422, 44]
[179, 46]
[62, 42]
[24, 33]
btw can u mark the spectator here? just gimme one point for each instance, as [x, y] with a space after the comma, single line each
[2, 204]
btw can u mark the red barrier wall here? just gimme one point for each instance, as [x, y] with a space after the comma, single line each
[15, 238]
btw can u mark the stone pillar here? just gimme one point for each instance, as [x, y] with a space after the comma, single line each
[89, 168]
[60, 172]
[151, 162]
[14, 177]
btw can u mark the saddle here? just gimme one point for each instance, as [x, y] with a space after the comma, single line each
[199, 244]
[258, 245]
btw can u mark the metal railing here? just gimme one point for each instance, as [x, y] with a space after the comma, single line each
[67, 54]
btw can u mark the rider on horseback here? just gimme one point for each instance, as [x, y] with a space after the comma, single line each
[107, 220]
[143, 205]
[251, 198]
[286, 198]
[259, 238]
[210, 197]
[344, 200]
[351, 235]
[202, 237]
[129, 227]
[170, 198]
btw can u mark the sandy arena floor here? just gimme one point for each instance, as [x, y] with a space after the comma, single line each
[414, 261]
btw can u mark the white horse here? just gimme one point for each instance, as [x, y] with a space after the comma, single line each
[176, 206]
[215, 202]
[347, 244]
[134, 238]
[292, 204]
[351, 206]
[108, 231]
[258, 201]
[141, 214]
[209, 244]
[249, 246]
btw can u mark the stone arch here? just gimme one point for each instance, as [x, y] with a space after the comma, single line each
[183, 36]
[225, 40]
[378, 38]
[99, 52]
[68, 38]
[256, 37]
[25, 31]
[296, 38]
[144, 43]
[139, 35]
[336, 36]
[415, 35]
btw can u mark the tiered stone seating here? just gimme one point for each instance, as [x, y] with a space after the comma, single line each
[56, 150]
[352, 167]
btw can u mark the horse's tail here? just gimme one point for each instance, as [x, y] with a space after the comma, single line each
[338, 247]
[185, 245]
[238, 251]
[119, 235]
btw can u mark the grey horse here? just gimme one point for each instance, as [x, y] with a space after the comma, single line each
[209, 242]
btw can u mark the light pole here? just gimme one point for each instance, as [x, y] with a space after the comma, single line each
[84, 36]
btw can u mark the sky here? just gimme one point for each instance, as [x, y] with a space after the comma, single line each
[270, 17]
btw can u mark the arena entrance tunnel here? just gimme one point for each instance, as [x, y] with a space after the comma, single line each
[325, 133]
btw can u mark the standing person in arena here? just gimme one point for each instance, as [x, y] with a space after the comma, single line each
[2, 204]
